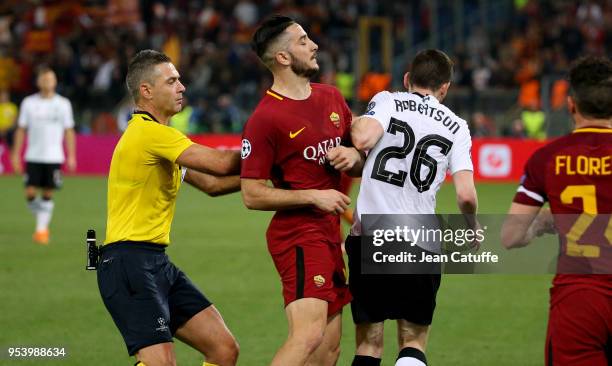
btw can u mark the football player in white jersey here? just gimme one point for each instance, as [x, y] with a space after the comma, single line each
[47, 117]
[412, 140]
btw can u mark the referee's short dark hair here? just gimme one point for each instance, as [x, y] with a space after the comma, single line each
[266, 34]
[141, 69]
[430, 69]
[590, 80]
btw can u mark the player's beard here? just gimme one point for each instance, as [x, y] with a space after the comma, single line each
[300, 68]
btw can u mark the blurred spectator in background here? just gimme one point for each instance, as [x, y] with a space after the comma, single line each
[8, 116]
[482, 125]
[89, 42]
[371, 84]
[182, 121]
[124, 111]
[515, 129]
[534, 121]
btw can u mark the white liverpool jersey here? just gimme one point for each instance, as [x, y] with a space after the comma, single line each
[404, 170]
[45, 120]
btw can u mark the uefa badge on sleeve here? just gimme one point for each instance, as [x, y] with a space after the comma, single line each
[246, 149]
[370, 109]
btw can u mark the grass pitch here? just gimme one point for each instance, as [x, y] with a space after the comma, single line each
[48, 299]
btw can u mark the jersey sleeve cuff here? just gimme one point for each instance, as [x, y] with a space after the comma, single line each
[253, 176]
[527, 197]
[465, 167]
[186, 144]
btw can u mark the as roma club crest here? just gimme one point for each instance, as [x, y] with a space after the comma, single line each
[335, 119]
[319, 280]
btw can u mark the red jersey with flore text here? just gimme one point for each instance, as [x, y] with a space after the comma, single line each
[286, 140]
[574, 173]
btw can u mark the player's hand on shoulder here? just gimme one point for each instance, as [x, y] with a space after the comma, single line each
[343, 158]
[330, 200]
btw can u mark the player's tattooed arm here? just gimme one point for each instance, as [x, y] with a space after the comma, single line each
[523, 223]
[211, 184]
[365, 133]
[211, 161]
[346, 159]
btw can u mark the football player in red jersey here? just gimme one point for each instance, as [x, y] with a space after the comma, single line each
[295, 138]
[574, 174]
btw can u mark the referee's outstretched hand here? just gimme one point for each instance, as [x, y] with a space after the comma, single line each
[331, 201]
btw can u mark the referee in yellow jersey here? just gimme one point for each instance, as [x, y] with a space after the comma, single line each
[149, 298]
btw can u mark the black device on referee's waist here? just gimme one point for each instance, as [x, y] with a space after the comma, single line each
[93, 252]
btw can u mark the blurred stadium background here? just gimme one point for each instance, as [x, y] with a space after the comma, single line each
[510, 59]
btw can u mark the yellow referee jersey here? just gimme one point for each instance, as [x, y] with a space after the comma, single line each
[143, 181]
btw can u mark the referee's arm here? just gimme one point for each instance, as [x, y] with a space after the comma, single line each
[213, 185]
[211, 161]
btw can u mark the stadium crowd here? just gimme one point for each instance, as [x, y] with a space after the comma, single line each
[89, 42]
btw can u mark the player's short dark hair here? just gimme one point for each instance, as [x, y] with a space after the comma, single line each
[430, 69]
[141, 68]
[590, 81]
[267, 33]
[43, 69]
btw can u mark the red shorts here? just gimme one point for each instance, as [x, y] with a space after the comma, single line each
[579, 327]
[314, 269]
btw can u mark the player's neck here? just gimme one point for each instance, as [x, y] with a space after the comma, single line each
[159, 117]
[291, 85]
[423, 91]
[46, 95]
[582, 122]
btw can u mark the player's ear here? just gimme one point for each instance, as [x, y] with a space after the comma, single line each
[444, 90]
[283, 58]
[407, 81]
[571, 105]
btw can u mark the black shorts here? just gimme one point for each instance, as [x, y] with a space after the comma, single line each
[43, 175]
[148, 297]
[379, 297]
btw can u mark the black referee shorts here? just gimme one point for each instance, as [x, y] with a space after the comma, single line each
[43, 175]
[148, 297]
[377, 297]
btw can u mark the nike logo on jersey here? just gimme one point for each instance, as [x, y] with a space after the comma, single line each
[293, 135]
